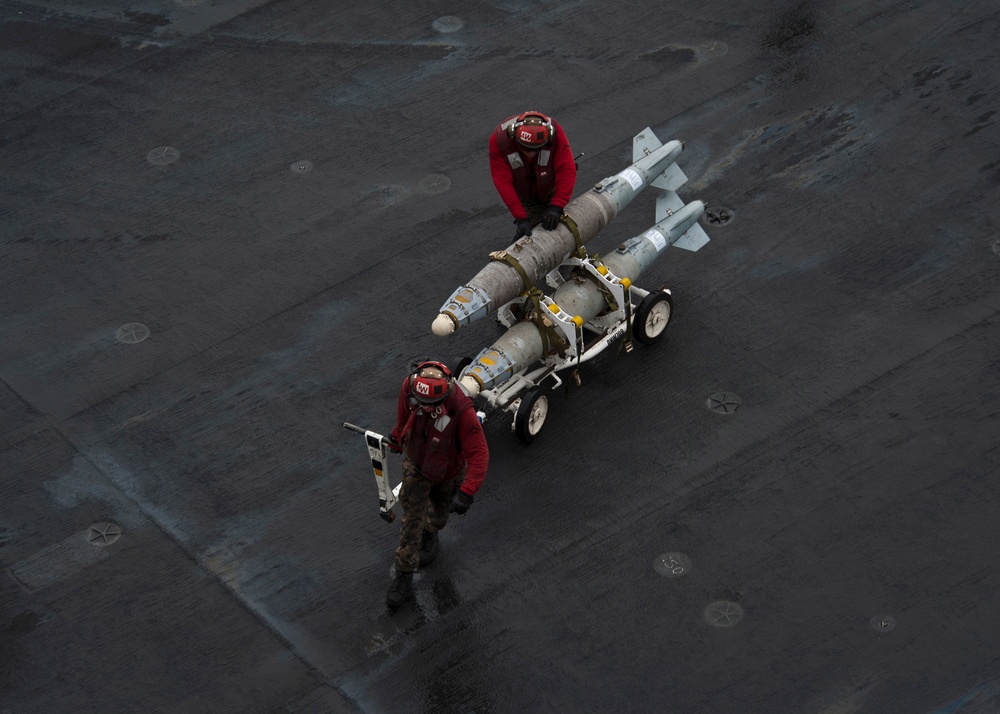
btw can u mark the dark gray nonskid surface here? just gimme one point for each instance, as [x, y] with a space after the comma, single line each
[227, 227]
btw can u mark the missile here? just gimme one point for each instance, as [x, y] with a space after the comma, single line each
[580, 299]
[527, 260]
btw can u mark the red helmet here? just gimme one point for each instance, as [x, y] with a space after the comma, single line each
[532, 130]
[430, 382]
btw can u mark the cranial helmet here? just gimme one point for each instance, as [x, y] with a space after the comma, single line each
[532, 130]
[430, 382]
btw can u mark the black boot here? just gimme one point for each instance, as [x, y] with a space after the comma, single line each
[400, 589]
[428, 547]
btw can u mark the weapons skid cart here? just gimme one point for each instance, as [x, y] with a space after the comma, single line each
[524, 394]
[545, 334]
[594, 304]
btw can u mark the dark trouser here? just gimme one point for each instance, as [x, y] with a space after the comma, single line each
[426, 506]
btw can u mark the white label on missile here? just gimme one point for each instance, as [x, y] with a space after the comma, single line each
[633, 177]
[656, 238]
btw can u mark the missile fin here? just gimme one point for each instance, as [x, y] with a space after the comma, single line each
[667, 203]
[644, 143]
[671, 179]
[693, 239]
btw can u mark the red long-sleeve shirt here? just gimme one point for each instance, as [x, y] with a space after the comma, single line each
[470, 441]
[512, 192]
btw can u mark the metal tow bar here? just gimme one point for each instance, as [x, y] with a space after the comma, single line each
[378, 451]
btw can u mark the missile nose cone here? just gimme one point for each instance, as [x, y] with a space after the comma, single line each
[470, 386]
[442, 325]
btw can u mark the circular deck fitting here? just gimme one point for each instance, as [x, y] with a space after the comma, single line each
[103, 534]
[724, 402]
[723, 613]
[434, 183]
[132, 333]
[718, 215]
[713, 48]
[302, 167]
[883, 623]
[448, 23]
[996, 246]
[672, 565]
[162, 155]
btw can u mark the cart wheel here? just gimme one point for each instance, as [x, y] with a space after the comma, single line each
[652, 317]
[530, 415]
[457, 366]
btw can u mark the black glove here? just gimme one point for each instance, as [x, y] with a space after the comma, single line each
[550, 217]
[523, 227]
[460, 504]
[394, 446]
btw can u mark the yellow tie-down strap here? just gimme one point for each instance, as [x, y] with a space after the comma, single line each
[551, 337]
[609, 296]
[505, 257]
[581, 250]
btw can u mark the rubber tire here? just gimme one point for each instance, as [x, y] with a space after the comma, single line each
[652, 317]
[530, 415]
[459, 365]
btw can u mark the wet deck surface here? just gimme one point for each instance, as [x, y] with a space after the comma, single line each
[283, 196]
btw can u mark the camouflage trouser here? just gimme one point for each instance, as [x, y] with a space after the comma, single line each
[426, 506]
